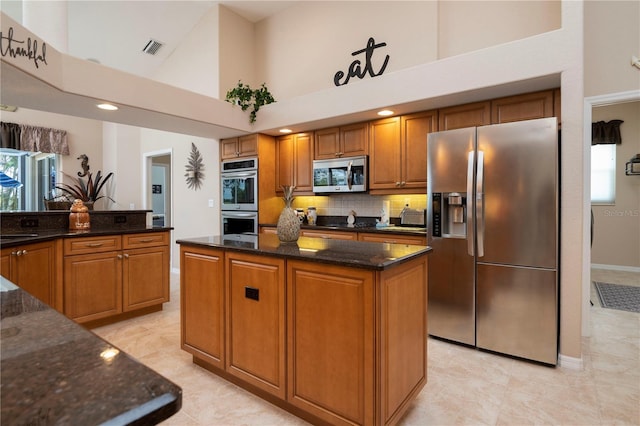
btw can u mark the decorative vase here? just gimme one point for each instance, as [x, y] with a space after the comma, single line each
[288, 228]
[79, 219]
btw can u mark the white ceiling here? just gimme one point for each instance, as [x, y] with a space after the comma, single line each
[114, 32]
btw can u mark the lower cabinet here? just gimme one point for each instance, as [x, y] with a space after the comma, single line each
[329, 343]
[35, 268]
[105, 276]
[202, 306]
[256, 321]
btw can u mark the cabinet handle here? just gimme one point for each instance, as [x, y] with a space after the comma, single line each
[397, 183]
[24, 252]
[126, 256]
[92, 245]
[119, 256]
[147, 240]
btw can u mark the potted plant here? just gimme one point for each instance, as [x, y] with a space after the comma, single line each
[88, 191]
[245, 97]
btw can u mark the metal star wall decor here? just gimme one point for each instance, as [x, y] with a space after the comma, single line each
[194, 168]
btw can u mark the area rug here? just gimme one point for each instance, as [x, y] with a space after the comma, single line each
[618, 296]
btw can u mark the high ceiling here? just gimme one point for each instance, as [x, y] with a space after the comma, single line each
[114, 33]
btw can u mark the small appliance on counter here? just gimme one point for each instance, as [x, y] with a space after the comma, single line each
[413, 217]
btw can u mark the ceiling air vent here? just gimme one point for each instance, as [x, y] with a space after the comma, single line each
[152, 47]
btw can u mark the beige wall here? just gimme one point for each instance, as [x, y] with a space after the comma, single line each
[463, 25]
[300, 49]
[616, 239]
[199, 51]
[237, 52]
[612, 36]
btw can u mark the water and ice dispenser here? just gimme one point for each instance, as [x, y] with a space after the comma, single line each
[449, 215]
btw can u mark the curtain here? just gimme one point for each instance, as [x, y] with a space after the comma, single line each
[33, 138]
[606, 132]
[10, 135]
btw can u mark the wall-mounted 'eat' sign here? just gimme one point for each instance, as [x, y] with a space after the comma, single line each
[356, 70]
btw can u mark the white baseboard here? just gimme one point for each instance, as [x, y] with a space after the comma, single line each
[570, 363]
[616, 267]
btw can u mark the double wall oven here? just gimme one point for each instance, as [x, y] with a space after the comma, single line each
[239, 194]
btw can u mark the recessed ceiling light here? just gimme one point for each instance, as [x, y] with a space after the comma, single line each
[285, 130]
[385, 112]
[107, 107]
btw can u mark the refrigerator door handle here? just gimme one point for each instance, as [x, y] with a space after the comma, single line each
[470, 234]
[480, 203]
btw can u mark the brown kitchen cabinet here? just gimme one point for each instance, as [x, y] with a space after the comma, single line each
[467, 115]
[332, 235]
[294, 162]
[398, 153]
[202, 304]
[105, 276]
[392, 238]
[345, 141]
[528, 106]
[243, 146]
[36, 269]
[255, 327]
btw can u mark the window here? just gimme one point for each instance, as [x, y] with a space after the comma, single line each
[603, 174]
[37, 173]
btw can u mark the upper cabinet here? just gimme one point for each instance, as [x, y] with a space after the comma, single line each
[243, 146]
[398, 153]
[522, 107]
[294, 162]
[467, 115]
[346, 141]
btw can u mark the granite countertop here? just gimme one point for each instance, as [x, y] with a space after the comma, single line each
[357, 254]
[13, 239]
[56, 372]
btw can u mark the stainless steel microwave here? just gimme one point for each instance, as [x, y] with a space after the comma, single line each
[347, 174]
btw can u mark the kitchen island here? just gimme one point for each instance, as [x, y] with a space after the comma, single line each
[56, 372]
[332, 331]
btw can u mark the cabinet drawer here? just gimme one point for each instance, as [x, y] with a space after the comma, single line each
[89, 245]
[392, 238]
[329, 235]
[146, 239]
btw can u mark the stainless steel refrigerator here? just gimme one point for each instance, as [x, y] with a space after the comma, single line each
[493, 225]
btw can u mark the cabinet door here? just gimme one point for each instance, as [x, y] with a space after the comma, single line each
[392, 238]
[354, 140]
[303, 162]
[327, 144]
[202, 303]
[248, 145]
[5, 264]
[145, 279]
[284, 162]
[522, 107]
[331, 235]
[228, 148]
[33, 268]
[467, 115]
[330, 335]
[256, 322]
[384, 154]
[92, 286]
[294, 162]
[414, 131]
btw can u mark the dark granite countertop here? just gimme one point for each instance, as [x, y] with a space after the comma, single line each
[53, 371]
[357, 254]
[14, 239]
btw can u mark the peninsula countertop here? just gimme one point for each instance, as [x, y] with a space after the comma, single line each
[357, 254]
[56, 372]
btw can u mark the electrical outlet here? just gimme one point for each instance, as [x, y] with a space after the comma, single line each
[210, 203]
[120, 219]
[29, 223]
[406, 201]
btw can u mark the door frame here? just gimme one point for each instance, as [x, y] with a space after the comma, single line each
[589, 104]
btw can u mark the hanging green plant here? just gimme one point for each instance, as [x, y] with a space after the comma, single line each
[245, 97]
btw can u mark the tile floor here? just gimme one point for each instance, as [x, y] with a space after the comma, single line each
[465, 386]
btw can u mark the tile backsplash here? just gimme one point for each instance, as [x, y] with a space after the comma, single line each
[362, 204]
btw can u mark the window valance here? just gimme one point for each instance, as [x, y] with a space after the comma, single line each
[606, 132]
[32, 138]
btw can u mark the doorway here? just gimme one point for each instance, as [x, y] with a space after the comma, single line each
[157, 191]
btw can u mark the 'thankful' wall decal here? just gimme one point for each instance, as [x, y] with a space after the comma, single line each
[356, 70]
